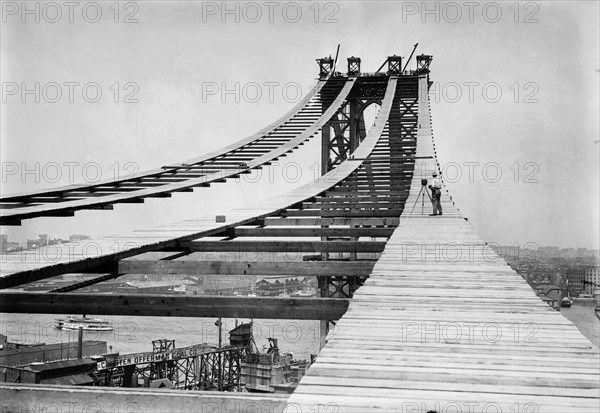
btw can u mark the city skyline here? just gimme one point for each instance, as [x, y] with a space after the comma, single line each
[505, 248]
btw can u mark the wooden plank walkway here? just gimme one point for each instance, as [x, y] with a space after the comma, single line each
[443, 324]
[28, 266]
[278, 139]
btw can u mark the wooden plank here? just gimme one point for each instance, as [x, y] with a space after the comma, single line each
[148, 305]
[29, 398]
[361, 213]
[365, 193]
[313, 232]
[347, 221]
[293, 268]
[284, 246]
[358, 199]
[459, 387]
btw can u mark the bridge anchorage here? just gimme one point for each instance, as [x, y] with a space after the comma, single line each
[428, 318]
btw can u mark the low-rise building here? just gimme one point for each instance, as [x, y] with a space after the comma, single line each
[591, 280]
[574, 281]
[550, 294]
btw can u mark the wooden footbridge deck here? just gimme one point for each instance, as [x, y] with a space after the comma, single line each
[440, 324]
[444, 324]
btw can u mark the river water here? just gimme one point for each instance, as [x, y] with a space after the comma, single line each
[135, 334]
[581, 313]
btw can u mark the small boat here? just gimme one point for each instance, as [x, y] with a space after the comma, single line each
[86, 323]
[566, 302]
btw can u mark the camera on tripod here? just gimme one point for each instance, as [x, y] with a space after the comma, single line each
[421, 196]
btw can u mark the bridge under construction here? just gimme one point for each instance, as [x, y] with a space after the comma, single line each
[428, 318]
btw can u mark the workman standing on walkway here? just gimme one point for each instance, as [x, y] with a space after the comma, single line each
[436, 193]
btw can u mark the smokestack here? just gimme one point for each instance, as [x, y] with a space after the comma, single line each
[80, 344]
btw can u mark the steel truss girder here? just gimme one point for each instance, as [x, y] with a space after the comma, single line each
[216, 370]
[338, 286]
[349, 130]
[346, 129]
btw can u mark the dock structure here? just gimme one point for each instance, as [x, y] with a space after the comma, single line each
[428, 318]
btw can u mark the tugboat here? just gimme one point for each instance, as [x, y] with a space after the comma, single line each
[566, 302]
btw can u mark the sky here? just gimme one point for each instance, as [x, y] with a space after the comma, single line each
[129, 86]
